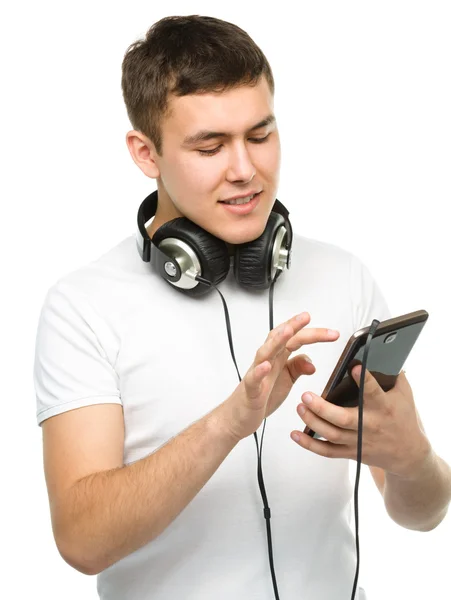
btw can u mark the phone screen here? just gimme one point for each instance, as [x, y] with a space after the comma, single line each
[386, 357]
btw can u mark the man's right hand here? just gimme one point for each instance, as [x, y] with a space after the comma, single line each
[271, 376]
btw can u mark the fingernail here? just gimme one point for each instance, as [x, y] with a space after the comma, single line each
[301, 316]
[308, 359]
[307, 398]
[332, 332]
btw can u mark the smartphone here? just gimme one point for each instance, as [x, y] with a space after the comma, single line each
[389, 348]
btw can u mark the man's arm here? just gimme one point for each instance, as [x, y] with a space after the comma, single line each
[419, 502]
[105, 515]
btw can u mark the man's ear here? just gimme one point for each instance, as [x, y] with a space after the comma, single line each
[143, 152]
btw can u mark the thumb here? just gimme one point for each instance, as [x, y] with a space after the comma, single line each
[301, 364]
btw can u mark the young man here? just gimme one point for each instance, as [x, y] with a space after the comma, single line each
[149, 458]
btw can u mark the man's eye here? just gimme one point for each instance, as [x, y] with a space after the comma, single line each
[216, 150]
[209, 152]
[259, 140]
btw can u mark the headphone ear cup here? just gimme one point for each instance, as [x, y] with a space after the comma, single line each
[253, 260]
[211, 252]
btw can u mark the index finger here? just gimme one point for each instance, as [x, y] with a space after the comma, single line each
[344, 417]
[311, 335]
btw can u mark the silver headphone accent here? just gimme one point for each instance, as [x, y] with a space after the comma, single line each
[187, 260]
[280, 256]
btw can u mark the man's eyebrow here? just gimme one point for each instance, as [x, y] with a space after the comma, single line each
[204, 135]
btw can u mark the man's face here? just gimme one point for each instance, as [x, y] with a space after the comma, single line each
[191, 183]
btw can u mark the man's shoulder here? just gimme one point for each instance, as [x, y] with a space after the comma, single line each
[321, 252]
[102, 274]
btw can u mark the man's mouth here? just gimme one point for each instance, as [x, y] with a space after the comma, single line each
[239, 200]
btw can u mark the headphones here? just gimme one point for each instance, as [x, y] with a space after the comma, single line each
[186, 255]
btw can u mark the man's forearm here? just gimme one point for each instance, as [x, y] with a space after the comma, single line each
[420, 502]
[113, 513]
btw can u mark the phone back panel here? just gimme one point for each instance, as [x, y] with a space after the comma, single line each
[389, 349]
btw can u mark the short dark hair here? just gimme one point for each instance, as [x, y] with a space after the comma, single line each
[184, 55]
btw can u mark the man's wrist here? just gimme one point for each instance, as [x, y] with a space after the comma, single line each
[220, 423]
[419, 465]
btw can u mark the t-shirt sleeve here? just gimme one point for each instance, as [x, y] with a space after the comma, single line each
[368, 301]
[74, 353]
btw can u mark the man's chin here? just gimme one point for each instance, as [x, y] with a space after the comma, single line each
[242, 231]
[234, 238]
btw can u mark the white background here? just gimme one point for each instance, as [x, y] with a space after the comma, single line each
[363, 102]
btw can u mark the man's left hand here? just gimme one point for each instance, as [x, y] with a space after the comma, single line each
[393, 437]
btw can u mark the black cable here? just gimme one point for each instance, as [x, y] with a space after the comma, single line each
[266, 509]
[371, 332]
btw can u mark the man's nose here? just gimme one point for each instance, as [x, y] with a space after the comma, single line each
[241, 167]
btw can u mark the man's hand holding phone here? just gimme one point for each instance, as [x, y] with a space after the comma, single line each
[393, 436]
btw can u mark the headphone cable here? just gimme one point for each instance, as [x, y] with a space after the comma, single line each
[372, 330]
[266, 509]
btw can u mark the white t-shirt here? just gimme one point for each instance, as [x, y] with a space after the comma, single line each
[115, 331]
